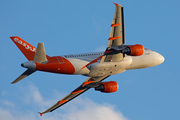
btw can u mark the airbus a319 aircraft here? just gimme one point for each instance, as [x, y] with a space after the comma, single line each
[97, 66]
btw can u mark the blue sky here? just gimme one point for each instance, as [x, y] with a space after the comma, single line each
[68, 27]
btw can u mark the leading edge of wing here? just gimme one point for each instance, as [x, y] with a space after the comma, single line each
[89, 83]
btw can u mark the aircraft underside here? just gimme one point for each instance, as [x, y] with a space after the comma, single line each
[97, 66]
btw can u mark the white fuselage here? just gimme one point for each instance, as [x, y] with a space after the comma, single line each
[148, 59]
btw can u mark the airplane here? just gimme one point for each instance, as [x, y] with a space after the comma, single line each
[97, 66]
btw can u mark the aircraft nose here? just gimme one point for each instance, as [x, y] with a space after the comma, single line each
[160, 59]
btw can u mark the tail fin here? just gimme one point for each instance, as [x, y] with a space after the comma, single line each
[31, 53]
[27, 49]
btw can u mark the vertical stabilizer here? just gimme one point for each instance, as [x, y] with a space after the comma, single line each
[27, 49]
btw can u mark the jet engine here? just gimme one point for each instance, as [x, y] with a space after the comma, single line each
[134, 50]
[107, 87]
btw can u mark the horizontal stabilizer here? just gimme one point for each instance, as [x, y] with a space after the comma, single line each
[40, 55]
[24, 75]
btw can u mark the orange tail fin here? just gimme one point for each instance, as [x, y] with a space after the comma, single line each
[27, 49]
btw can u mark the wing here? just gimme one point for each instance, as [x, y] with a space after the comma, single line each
[117, 35]
[89, 83]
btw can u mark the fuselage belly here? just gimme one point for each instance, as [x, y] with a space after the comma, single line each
[148, 59]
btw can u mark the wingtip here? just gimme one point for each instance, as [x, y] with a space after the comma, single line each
[116, 4]
[40, 113]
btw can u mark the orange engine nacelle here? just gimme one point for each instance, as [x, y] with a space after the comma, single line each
[107, 87]
[134, 50]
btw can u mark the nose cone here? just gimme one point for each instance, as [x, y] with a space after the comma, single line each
[160, 59]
